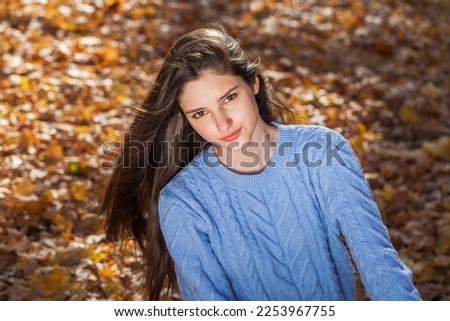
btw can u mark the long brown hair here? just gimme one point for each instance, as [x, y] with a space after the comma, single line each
[160, 141]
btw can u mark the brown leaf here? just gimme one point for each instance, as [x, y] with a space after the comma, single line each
[19, 292]
[409, 115]
[73, 257]
[443, 245]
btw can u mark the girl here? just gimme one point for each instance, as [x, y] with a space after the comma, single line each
[228, 204]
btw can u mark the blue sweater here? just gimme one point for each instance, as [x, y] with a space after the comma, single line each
[277, 235]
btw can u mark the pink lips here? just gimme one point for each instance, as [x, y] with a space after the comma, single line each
[232, 136]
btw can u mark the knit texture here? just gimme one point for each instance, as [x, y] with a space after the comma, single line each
[277, 235]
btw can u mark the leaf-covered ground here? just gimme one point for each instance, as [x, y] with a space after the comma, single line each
[377, 71]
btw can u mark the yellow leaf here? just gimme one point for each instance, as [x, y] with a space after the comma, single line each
[69, 26]
[50, 282]
[83, 129]
[430, 90]
[120, 98]
[301, 117]
[387, 192]
[24, 84]
[97, 255]
[86, 114]
[439, 148]
[332, 113]
[367, 134]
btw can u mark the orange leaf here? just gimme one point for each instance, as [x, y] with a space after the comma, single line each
[65, 225]
[108, 54]
[79, 189]
[25, 187]
[54, 151]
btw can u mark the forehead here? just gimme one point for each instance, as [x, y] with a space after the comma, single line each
[209, 87]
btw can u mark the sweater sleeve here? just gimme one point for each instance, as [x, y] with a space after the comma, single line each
[348, 201]
[199, 274]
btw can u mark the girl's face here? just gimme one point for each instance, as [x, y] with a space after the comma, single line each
[223, 110]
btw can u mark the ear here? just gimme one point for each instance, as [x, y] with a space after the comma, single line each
[255, 85]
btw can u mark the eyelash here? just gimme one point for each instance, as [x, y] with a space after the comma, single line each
[229, 98]
[198, 114]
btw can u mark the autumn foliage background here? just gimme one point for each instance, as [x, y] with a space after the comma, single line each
[70, 71]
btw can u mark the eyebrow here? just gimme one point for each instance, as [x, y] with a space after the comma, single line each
[221, 97]
[227, 93]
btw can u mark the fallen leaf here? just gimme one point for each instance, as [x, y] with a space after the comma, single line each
[439, 148]
[50, 282]
[54, 151]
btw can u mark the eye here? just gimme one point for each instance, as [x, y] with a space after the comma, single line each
[198, 114]
[230, 97]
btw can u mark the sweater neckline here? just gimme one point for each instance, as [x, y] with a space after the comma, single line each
[247, 181]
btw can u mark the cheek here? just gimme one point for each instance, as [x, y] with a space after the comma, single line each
[250, 106]
[203, 129]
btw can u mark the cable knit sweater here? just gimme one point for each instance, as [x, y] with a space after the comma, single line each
[277, 235]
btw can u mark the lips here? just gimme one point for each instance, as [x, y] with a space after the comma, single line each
[233, 136]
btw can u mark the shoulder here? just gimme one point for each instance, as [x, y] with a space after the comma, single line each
[188, 185]
[182, 199]
[306, 136]
[306, 130]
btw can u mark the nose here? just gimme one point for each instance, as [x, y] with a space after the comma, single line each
[223, 121]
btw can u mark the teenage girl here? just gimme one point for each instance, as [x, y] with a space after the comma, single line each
[228, 203]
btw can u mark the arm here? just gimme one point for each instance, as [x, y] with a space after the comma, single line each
[199, 274]
[348, 201]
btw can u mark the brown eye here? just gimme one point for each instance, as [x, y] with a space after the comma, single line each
[198, 114]
[230, 97]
